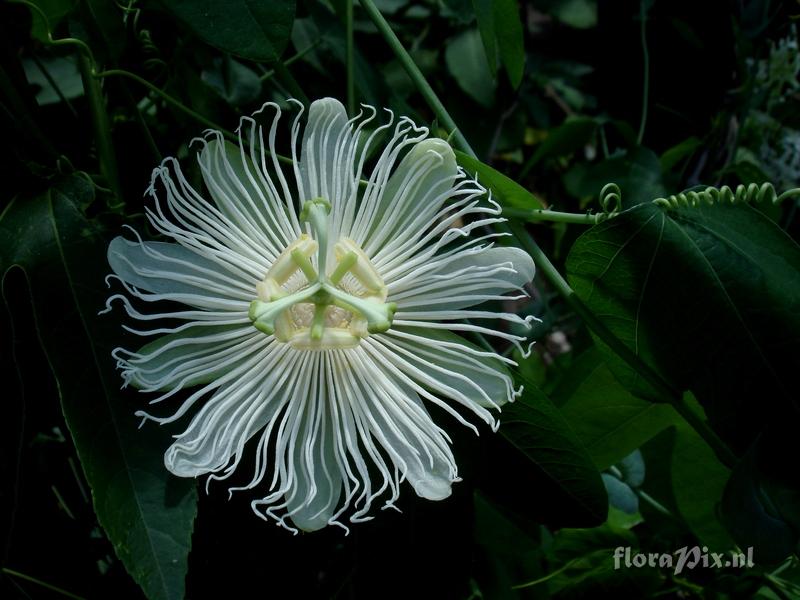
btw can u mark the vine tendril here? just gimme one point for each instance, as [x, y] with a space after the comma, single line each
[743, 194]
[610, 202]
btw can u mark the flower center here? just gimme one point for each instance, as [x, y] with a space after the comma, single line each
[316, 308]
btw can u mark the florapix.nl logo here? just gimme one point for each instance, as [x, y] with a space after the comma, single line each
[682, 558]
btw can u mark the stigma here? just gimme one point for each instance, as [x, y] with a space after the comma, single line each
[312, 303]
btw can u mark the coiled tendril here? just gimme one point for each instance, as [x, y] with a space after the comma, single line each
[711, 195]
[610, 202]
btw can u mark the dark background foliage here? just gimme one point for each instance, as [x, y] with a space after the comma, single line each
[585, 462]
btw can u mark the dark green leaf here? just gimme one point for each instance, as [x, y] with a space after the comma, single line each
[565, 139]
[234, 82]
[465, 60]
[581, 14]
[612, 423]
[106, 27]
[761, 506]
[753, 518]
[55, 11]
[679, 152]
[484, 14]
[555, 479]
[572, 543]
[257, 31]
[148, 515]
[508, 30]
[608, 419]
[637, 173]
[698, 481]
[507, 551]
[709, 297]
[585, 559]
[505, 191]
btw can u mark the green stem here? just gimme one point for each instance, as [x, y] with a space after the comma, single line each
[102, 126]
[349, 58]
[166, 97]
[44, 584]
[665, 391]
[654, 503]
[547, 577]
[60, 42]
[179, 105]
[416, 76]
[646, 76]
[137, 113]
[537, 215]
[267, 73]
[62, 503]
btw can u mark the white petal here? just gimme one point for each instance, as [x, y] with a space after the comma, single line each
[172, 269]
[193, 355]
[400, 423]
[428, 466]
[185, 216]
[245, 194]
[418, 185]
[466, 380]
[236, 412]
[463, 279]
[480, 375]
[324, 172]
[318, 477]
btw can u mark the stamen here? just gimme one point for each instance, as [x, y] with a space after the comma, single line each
[379, 315]
[263, 314]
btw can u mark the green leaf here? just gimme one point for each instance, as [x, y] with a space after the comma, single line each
[698, 483]
[147, 514]
[761, 505]
[507, 551]
[672, 156]
[610, 422]
[105, 27]
[64, 72]
[581, 14]
[637, 173]
[234, 82]
[565, 139]
[466, 63]
[484, 14]
[257, 31]
[55, 11]
[586, 564]
[505, 191]
[508, 30]
[709, 297]
[554, 478]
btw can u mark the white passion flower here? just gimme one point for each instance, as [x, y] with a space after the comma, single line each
[320, 303]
